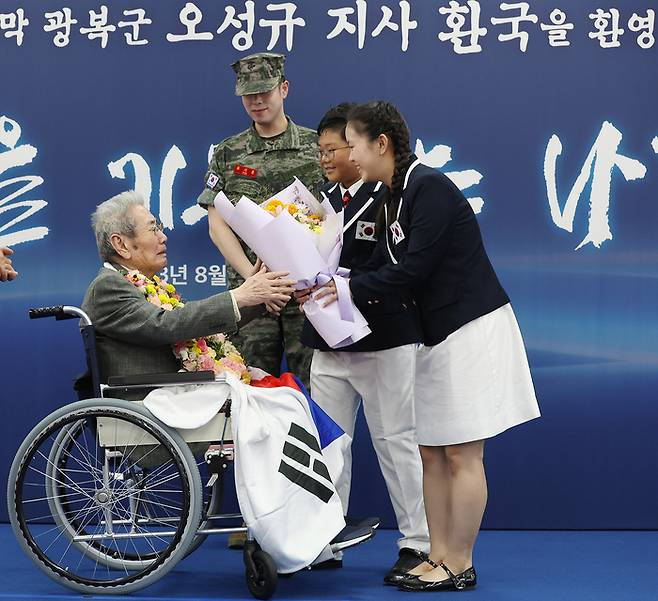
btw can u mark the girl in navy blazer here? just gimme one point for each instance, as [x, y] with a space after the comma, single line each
[472, 377]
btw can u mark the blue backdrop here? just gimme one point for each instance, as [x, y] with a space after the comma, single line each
[552, 135]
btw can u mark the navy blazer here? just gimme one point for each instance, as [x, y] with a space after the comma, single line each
[393, 318]
[441, 257]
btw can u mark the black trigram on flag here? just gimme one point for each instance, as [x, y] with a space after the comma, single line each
[303, 449]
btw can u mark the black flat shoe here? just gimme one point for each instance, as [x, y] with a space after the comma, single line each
[408, 559]
[408, 576]
[455, 582]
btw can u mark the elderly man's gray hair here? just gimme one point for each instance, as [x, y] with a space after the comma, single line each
[113, 217]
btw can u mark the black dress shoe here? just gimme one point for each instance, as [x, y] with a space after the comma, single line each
[455, 582]
[408, 559]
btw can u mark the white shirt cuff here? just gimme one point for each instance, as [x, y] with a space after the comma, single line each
[236, 309]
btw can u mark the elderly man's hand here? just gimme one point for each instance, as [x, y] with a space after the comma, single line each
[274, 307]
[7, 271]
[264, 287]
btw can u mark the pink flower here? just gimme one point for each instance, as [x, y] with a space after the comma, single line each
[155, 300]
[232, 366]
[207, 363]
[202, 345]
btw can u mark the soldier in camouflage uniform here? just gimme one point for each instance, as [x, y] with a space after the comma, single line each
[258, 163]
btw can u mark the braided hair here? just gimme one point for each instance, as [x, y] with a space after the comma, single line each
[372, 120]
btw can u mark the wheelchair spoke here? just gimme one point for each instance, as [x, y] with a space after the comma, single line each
[85, 453]
[110, 507]
[55, 480]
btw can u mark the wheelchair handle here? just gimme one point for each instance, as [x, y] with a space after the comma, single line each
[60, 312]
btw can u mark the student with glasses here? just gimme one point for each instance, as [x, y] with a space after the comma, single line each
[377, 370]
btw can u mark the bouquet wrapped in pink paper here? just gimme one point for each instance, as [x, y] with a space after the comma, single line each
[294, 232]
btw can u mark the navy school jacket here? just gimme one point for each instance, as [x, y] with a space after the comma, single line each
[392, 316]
[436, 254]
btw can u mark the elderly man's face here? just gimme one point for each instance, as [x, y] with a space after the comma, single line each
[148, 248]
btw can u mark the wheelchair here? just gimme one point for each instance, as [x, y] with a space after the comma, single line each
[106, 499]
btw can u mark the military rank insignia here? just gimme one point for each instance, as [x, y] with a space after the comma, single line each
[245, 171]
[365, 230]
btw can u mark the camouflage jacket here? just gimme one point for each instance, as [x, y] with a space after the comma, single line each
[246, 164]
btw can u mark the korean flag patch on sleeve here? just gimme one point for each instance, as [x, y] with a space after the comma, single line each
[213, 181]
[365, 230]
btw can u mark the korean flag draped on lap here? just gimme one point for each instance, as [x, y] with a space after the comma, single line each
[288, 453]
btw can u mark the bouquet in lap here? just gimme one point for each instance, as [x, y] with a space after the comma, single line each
[294, 232]
[209, 353]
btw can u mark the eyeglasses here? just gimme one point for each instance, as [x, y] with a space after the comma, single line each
[156, 227]
[330, 154]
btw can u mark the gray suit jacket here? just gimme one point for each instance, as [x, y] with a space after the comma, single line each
[134, 336]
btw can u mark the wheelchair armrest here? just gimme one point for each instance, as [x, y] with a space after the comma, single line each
[154, 380]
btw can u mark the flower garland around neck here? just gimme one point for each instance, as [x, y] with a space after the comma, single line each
[208, 353]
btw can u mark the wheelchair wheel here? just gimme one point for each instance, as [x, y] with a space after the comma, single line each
[61, 455]
[262, 578]
[103, 497]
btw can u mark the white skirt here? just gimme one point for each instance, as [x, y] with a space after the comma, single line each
[475, 384]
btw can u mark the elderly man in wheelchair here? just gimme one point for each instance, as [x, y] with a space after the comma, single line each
[106, 495]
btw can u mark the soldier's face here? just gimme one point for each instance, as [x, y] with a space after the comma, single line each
[366, 155]
[147, 249]
[267, 107]
[335, 158]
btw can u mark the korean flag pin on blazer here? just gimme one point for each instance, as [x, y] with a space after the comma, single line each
[396, 230]
[365, 230]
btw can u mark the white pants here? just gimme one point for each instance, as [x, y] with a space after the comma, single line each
[384, 380]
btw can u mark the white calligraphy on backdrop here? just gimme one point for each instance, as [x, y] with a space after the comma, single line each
[597, 170]
[598, 166]
[175, 161]
[14, 209]
[438, 157]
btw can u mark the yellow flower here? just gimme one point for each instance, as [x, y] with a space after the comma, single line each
[163, 298]
[150, 288]
[170, 289]
[235, 357]
[273, 206]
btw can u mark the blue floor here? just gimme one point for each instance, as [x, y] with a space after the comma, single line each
[523, 566]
